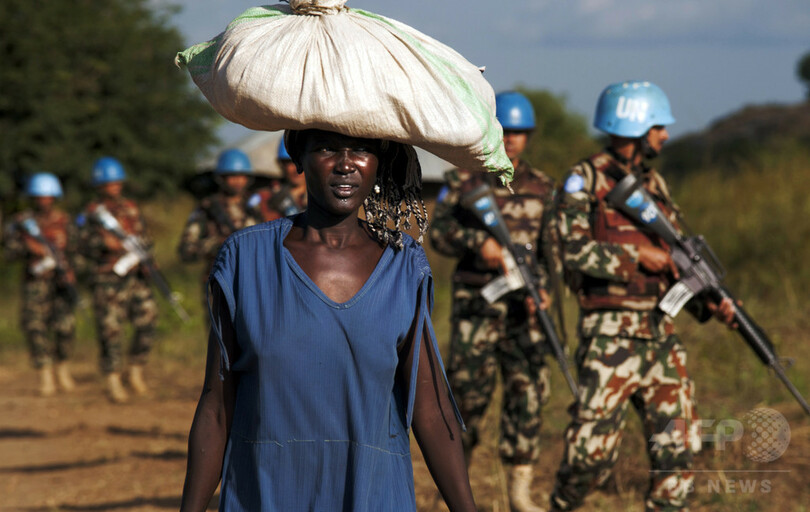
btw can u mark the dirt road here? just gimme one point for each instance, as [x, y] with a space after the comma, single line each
[78, 452]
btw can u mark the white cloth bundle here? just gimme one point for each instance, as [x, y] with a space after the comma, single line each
[319, 64]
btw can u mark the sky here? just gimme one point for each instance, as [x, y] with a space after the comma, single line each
[711, 57]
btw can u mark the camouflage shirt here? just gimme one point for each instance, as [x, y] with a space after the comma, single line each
[210, 224]
[57, 228]
[527, 213]
[93, 237]
[601, 252]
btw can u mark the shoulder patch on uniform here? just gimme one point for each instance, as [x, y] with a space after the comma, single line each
[442, 193]
[574, 183]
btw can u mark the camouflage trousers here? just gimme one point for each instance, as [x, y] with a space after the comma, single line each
[651, 375]
[491, 338]
[115, 301]
[45, 310]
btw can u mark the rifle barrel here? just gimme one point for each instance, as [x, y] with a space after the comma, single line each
[551, 335]
[163, 285]
[763, 347]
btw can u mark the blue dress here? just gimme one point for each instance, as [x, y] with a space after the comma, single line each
[320, 421]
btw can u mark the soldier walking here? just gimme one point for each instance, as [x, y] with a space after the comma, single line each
[44, 237]
[503, 336]
[121, 289]
[628, 350]
[220, 214]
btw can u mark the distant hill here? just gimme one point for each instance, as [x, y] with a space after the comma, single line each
[742, 135]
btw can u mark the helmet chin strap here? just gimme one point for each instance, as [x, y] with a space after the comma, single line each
[629, 163]
[644, 147]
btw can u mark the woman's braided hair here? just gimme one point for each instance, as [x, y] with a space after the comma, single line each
[397, 193]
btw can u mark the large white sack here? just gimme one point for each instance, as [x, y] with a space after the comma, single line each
[353, 72]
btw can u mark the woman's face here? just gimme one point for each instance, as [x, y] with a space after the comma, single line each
[340, 170]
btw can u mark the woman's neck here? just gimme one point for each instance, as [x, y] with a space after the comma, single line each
[332, 231]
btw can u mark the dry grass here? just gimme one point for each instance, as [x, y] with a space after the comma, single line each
[761, 235]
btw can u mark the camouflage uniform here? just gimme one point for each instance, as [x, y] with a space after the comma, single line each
[46, 303]
[116, 298]
[209, 225]
[487, 337]
[628, 350]
[266, 200]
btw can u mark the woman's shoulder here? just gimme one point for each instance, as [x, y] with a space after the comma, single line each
[258, 243]
[413, 255]
[264, 232]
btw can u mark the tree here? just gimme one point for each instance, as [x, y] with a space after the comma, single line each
[803, 71]
[88, 78]
[561, 137]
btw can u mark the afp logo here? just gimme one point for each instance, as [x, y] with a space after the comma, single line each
[633, 110]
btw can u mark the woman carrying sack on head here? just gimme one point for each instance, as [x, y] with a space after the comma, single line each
[322, 354]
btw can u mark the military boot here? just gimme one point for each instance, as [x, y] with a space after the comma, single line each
[519, 487]
[47, 385]
[115, 389]
[136, 381]
[64, 378]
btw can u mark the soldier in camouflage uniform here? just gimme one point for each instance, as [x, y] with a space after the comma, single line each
[121, 288]
[503, 335]
[220, 214]
[628, 351]
[45, 239]
[284, 197]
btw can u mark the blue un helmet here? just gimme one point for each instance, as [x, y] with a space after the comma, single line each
[106, 170]
[233, 161]
[630, 109]
[514, 111]
[282, 151]
[43, 184]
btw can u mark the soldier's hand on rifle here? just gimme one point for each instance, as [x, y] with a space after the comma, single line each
[724, 311]
[656, 260]
[35, 248]
[545, 303]
[492, 254]
[112, 242]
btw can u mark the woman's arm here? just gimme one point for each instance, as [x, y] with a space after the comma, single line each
[435, 426]
[212, 420]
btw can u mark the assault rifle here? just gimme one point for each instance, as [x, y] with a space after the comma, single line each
[137, 254]
[53, 260]
[481, 202]
[282, 202]
[701, 272]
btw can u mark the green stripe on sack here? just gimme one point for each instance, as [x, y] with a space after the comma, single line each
[199, 58]
[480, 110]
[256, 13]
